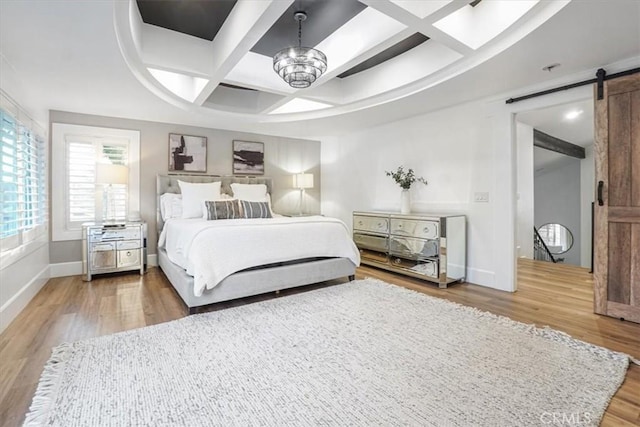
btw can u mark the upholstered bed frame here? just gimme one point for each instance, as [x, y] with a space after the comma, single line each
[247, 282]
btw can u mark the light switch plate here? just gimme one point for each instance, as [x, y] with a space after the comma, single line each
[481, 197]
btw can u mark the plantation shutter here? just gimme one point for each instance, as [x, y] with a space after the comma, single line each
[81, 185]
[10, 180]
[81, 181]
[23, 195]
[117, 155]
[32, 191]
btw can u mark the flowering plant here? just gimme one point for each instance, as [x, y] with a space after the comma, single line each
[405, 178]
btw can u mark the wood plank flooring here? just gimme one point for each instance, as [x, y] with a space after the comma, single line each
[68, 309]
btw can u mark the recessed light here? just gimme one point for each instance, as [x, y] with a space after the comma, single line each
[573, 114]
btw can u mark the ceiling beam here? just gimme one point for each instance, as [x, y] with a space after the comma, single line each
[548, 142]
[245, 25]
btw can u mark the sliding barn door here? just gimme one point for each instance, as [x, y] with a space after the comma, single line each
[617, 207]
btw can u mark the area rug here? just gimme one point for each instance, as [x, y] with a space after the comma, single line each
[363, 353]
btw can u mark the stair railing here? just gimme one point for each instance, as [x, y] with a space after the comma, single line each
[540, 250]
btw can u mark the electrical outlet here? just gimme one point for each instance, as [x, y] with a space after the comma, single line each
[481, 197]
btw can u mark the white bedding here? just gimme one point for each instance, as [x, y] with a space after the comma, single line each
[212, 250]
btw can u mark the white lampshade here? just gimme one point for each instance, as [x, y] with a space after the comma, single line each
[303, 180]
[107, 173]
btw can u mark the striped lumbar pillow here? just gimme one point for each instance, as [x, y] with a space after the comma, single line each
[255, 209]
[222, 209]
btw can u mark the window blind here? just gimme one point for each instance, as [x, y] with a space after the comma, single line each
[23, 199]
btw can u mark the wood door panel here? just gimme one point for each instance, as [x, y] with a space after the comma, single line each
[634, 295]
[619, 155]
[635, 148]
[617, 220]
[623, 311]
[618, 285]
[622, 85]
[624, 214]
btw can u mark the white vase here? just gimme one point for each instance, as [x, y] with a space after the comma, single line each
[405, 202]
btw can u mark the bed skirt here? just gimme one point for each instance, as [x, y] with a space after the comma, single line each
[255, 281]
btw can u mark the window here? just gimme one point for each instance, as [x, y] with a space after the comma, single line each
[81, 203]
[77, 151]
[23, 195]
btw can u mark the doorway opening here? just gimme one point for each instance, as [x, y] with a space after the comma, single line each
[555, 183]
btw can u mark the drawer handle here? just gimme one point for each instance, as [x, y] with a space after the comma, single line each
[128, 253]
[359, 222]
[426, 230]
[399, 225]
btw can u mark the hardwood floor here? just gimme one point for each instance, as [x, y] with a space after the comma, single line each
[68, 309]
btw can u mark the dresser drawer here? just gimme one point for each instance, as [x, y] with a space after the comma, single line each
[428, 268]
[102, 257]
[372, 255]
[411, 248]
[372, 247]
[129, 258]
[371, 223]
[128, 244]
[380, 243]
[415, 228]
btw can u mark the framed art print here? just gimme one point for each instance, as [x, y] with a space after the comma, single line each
[248, 158]
[187, 153]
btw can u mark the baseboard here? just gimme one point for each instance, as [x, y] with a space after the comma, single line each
[10, 310]
[15, 305]
[152, 260]
[483, 278]
[63, 269]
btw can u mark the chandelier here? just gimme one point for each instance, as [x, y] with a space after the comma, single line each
[297, 65]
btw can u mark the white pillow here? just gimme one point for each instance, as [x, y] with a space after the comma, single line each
[193, 194]
[170, 206]
[250, 192]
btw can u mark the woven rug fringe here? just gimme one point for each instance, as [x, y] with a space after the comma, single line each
[47, 387]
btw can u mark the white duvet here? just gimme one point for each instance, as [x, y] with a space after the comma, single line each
[212, 250]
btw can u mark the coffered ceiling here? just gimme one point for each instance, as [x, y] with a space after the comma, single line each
[377, 50]
[103, 58]
[196, 18]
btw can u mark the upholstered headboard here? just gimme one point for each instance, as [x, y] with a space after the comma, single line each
[169, 184]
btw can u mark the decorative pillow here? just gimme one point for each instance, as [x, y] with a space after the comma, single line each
[255, 209]
[170, 206]
[222, 209]
[250, 192]
[193, 194]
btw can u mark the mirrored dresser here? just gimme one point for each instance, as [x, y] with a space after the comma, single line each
[109, 248]
[426, 246]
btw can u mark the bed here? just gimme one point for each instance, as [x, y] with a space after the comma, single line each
[253, 272]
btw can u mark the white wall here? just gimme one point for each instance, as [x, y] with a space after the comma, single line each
[524, 138]
[587, 196]
[461, 150]
[557, 201]
[455, 149]
[28, 269]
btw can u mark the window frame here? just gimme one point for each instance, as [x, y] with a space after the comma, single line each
[60, 133]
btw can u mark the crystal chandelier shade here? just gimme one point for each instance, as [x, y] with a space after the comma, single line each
[299, 66]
